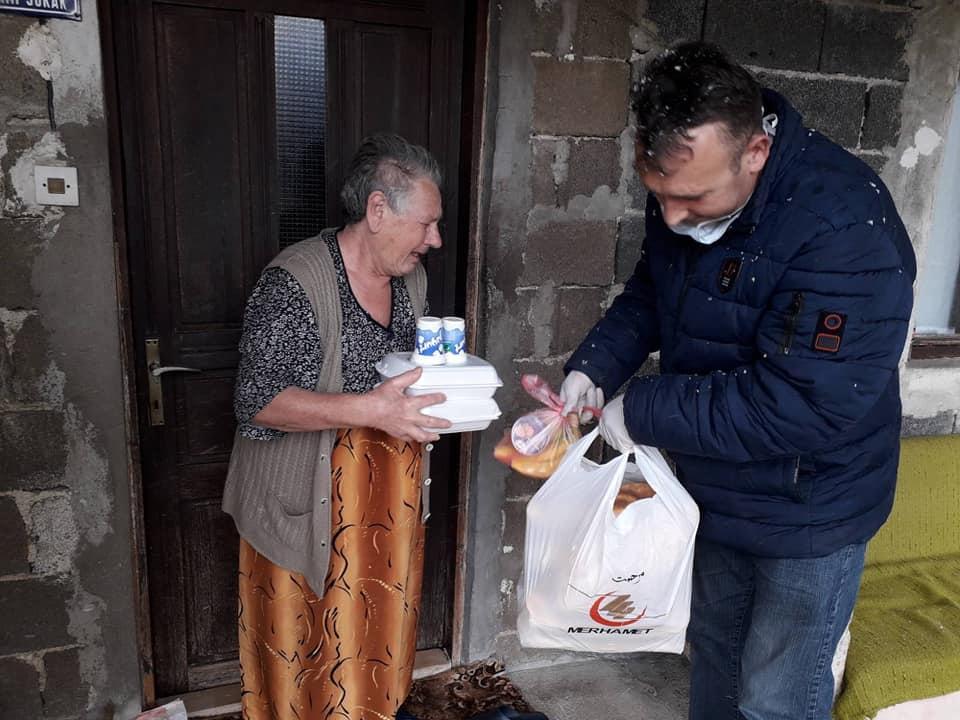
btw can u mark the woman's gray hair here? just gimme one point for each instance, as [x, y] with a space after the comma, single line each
[390, 164]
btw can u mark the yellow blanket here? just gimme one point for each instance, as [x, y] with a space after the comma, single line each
[905, 636]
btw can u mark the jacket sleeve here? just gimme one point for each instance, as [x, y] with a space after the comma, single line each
[800, 393]
[628, 332]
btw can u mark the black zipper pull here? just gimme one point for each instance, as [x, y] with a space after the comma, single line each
[796, 307]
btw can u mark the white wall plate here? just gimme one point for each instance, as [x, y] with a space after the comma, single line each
[56, 185]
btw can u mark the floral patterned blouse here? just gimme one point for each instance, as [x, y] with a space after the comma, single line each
[281, 346]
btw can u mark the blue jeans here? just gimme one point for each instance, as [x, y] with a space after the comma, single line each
[763, 632]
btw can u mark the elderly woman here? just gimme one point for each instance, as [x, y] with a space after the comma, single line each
[325, 478]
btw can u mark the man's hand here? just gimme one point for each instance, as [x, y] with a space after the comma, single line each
[398, 414]
[614, 428]
[578, 391]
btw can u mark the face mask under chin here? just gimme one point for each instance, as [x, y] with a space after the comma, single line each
[708, 231]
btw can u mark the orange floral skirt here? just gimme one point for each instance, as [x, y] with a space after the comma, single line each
[349, 654]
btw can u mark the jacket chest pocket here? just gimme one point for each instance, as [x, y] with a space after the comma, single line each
[706, 316]
[722, 296]
[735, 276]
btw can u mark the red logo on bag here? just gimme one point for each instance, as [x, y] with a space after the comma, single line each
[617, 612]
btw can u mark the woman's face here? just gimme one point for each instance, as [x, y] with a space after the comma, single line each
[407, 235]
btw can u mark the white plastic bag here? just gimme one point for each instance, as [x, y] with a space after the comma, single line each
[599, 583]
[174, 710]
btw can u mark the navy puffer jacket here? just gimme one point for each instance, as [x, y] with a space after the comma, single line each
[779, 346]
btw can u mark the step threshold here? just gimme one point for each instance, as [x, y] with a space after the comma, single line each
[224, 700]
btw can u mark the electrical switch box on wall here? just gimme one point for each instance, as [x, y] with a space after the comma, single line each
[56, 185]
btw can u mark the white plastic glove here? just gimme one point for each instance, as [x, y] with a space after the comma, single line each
[613, 427]
[578, 390]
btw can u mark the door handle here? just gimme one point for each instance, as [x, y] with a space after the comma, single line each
[155, 372]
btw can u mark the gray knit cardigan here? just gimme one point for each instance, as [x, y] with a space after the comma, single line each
[278, 491]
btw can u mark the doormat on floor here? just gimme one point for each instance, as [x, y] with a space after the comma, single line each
[462, 692]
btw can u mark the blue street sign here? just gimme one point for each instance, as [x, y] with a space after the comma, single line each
[66, 9]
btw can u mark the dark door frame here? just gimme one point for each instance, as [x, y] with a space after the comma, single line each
[473, 199]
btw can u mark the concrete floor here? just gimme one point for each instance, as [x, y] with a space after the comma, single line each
[639, 686]
[608, 687]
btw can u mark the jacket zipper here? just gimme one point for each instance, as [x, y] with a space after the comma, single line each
[693, 257]
[795, 309]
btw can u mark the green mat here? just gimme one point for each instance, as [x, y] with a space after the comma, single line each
[905, 636]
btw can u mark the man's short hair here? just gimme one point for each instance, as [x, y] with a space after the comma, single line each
[687, 86]
[390, 164]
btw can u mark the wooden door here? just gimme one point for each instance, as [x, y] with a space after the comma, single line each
[207, 171]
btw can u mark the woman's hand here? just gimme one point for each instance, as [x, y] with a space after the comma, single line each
[399, 414]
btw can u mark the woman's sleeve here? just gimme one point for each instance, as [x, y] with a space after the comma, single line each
[280, 347]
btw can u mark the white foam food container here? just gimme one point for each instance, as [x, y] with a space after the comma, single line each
[468, 386]
[465, 414]
[475, 378]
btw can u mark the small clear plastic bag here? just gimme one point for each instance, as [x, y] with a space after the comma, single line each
[537, 442]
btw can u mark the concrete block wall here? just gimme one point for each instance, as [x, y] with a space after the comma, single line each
[563, 230]
[566, 209]
[67, 632]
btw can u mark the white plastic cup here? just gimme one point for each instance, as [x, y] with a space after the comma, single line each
[454, 340]
[428, 348]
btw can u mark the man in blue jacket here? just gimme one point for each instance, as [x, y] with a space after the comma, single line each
[776, 282]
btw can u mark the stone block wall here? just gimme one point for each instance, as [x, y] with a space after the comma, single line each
[67, 632]
[566, 209]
